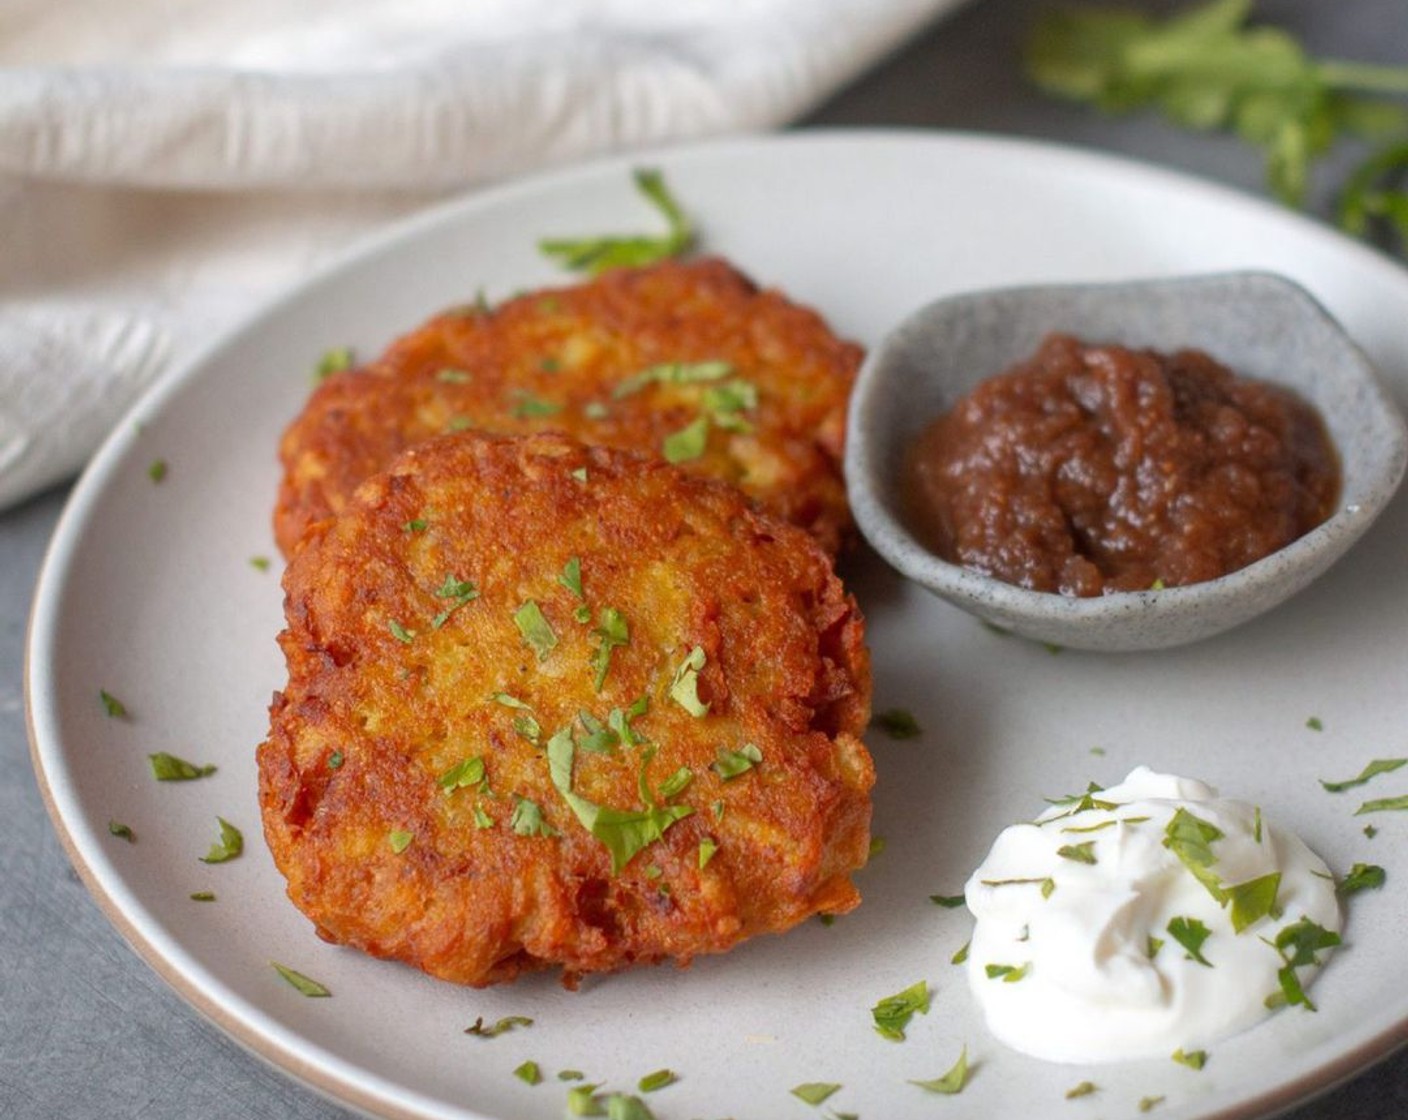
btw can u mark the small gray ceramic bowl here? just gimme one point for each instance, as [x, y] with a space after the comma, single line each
[1260, 325]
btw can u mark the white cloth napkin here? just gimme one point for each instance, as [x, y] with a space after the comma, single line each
[165, 163]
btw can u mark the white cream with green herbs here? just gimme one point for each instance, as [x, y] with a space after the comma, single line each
[1150, 917]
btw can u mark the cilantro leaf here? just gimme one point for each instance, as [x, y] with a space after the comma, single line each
[1194, 1059]
[169, 768]
[1253, 900]
[596, 254]
[1378, 766]
[1383, 804]
[1007, 973]
[529, 1073]
[114, 707]
[304, 984]
[527, 819]
[953, 1081]
[672, 373]
[1084, 1089]
[502, 1026]
[464, 774]
[1190, 838]
[707, 847]
[814, 1092]
[1079, 853]
[897, 723]
[536, 630]
[335, 360]
[893, 1013]
[228, 846]
[1191, 933]
[948, 901]
[730, 764]
[653, 1082]
[122, 831]
[1362, 877]
[688, 443]
[571, 576]
[611, 631]
[461, 591]
[399, 840]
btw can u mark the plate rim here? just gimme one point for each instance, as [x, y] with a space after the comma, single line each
[372, 1094]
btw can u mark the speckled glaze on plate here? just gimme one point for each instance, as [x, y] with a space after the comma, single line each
[1259, 324]
[148, 593]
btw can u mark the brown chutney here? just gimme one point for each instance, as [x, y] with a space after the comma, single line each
[1091, 469]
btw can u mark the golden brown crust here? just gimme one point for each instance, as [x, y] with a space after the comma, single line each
[688, 563]
[566, 350]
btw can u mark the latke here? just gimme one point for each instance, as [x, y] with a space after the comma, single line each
[552, 705]
[689, 361]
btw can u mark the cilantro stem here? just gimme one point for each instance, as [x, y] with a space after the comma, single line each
[1363, 77]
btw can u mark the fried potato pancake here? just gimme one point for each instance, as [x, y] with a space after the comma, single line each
[552, 705]
[686, 360]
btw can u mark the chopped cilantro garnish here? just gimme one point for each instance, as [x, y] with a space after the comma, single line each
[463, 775]
[399, 840]
[953, 1081]
[1084, 1089]
[1383, 804]
[1362, 877]
[599, 739]
[1190, 839]
[452, 376]
[1253, 900]
[481, 818]
[583, 1101]
[877, 845]
[157, 470]
[814, 1092]
[571, 577]
[502, 1026]
[593, 410]
[611, 631]
[461, 591]
[527, 406]
[571, 1075]
[527, 819]
[112, 705]
[717, 808]
[509, 701]
[1191, 933]
[653, 1082]
[400, 633]
[169, 768]
[688, 443]
[707, 847]
[1314, 724]
[1256, 825]
[897, 723]
[1092, 827]
[306, 985]
[1080, 853]
[335, 760]
[962, 954]
[623, 832]
[259, 563]
[1152, 946]
[893, 1013]
[1194, 1059]
[535, 629]
[1370, 831]
[415, 525]
[728, 399]
[672, 373]
[203, 896]
[1098, 752]
[621, 1106]
[1007, 973]
[122, 831]
[336, 360]
[730, 764]
[684, 685]
[1148, 1104]
[582, 614]
[947, 901]
[1375, 768]
[580, 474]
[227, 847]
[529, 1073]
[1047, 885]
[459, 424]
[549, 364]
[595, 254]
[675, 784]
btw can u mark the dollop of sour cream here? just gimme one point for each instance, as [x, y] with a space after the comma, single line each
[1091, 920]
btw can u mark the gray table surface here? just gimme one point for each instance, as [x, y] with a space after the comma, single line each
[86, 1030]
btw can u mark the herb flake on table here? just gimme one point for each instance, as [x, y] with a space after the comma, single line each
[893, 1013]
[169, 768]
[122, 831]
[1383, 805]
[1373, 770]
[948, 901]
[596, 254]
[1084, 1089]
[529, 1073]
[227, 847]
[306, 985]
[259, 563]
[336, 360]
[114, 707]
[157, 470]
[951, 1082]
[1148, 1104]
[1193, 1059]
[202, 896]
[653, 1082]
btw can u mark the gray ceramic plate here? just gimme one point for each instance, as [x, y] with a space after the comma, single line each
[148, 593]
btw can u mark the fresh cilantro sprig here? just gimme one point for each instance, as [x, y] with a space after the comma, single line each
[597, 254]
[1207, 69]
